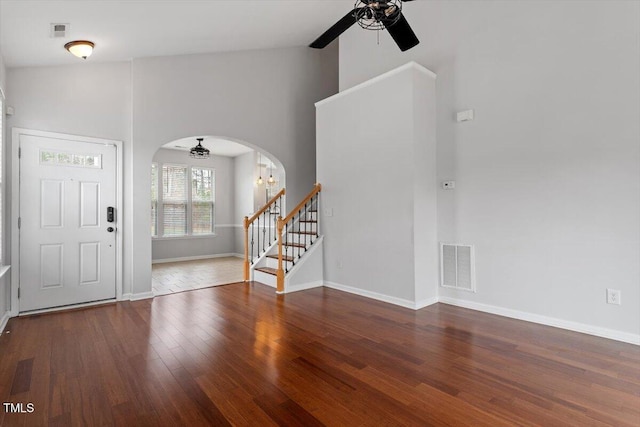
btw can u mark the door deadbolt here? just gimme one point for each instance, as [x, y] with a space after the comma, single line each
[110, 229]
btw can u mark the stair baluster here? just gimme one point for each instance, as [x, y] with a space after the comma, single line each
[287, 226]
[255, 226]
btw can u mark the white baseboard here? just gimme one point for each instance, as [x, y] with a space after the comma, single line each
[544, 320]
[3, 321]
[425, 303]
[196, 258]
[500, 311]
[138, 296]
[381, 297]
[68, 307]
[303, 287]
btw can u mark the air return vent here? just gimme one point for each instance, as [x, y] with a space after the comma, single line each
[457, 267]
[59, 30]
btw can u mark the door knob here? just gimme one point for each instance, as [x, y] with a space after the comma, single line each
[110, 229]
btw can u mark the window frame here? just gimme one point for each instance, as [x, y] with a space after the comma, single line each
[160, 203]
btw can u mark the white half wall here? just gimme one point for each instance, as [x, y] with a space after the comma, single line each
[376, 164]
[548, 174]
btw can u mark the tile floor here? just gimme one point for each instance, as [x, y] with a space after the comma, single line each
[168, 278]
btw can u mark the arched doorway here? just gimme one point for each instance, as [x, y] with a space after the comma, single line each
[197, 207]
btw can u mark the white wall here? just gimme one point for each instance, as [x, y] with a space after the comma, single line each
[547, 174]
[378, 181]
[5, 286]
[84, 99]
[223, 240]
[263, 97]
[244, 170]
[3, 74]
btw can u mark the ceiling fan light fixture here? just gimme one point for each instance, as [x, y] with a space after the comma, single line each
[377, 15]
[373, 15]
[80, 48]
[199, 152]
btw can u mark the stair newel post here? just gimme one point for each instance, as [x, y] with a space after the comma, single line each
[317, 209]
[280, 273]
[246, 249]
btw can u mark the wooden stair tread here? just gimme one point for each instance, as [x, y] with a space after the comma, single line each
[268, 270]
[297, 245]
[303, 232]
[284, 257]
[309, 220]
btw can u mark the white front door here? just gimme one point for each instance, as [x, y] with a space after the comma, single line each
[67, 244]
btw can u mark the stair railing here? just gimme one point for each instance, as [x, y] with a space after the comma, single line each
[263, 222]
[288, 224]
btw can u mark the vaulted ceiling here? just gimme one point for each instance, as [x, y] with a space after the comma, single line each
[126, 29]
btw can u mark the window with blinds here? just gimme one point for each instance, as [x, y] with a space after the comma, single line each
[174, 200]
[182, 200]
[202, 196]
[154, 199]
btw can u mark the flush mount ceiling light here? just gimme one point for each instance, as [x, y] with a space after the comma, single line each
[80, 48]
[199, 152]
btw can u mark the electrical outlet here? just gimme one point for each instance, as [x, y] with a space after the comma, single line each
[614, 296]
[339, 264]
[328, 211]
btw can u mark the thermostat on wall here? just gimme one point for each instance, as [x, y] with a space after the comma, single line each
[464, 116]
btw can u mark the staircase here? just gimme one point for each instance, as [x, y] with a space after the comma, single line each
[260, 232]
[294, 261]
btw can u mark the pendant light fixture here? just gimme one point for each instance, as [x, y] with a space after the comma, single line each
[271, 179]
[80, 48]
[199, 152]
[260, 181]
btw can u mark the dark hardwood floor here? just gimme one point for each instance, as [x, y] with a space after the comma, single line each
[241, 355]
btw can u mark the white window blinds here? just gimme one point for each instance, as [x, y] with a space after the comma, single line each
[182, 200]
[202, 197]
[174, 200]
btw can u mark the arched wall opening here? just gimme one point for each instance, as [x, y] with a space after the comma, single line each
[197, 206]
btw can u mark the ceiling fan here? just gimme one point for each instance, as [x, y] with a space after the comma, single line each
[373, 15]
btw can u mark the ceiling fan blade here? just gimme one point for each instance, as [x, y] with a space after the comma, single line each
[402, 33]
[338, 28]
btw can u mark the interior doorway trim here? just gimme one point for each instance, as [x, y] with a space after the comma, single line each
[15, 208]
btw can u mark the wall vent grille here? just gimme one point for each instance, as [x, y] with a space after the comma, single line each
[59, 30]
[457, 267]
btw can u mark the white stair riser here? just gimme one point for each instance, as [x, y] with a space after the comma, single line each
[273, 263]
[267, 279]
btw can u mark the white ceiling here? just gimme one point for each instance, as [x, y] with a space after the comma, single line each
[126, 29]
[217, 146]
